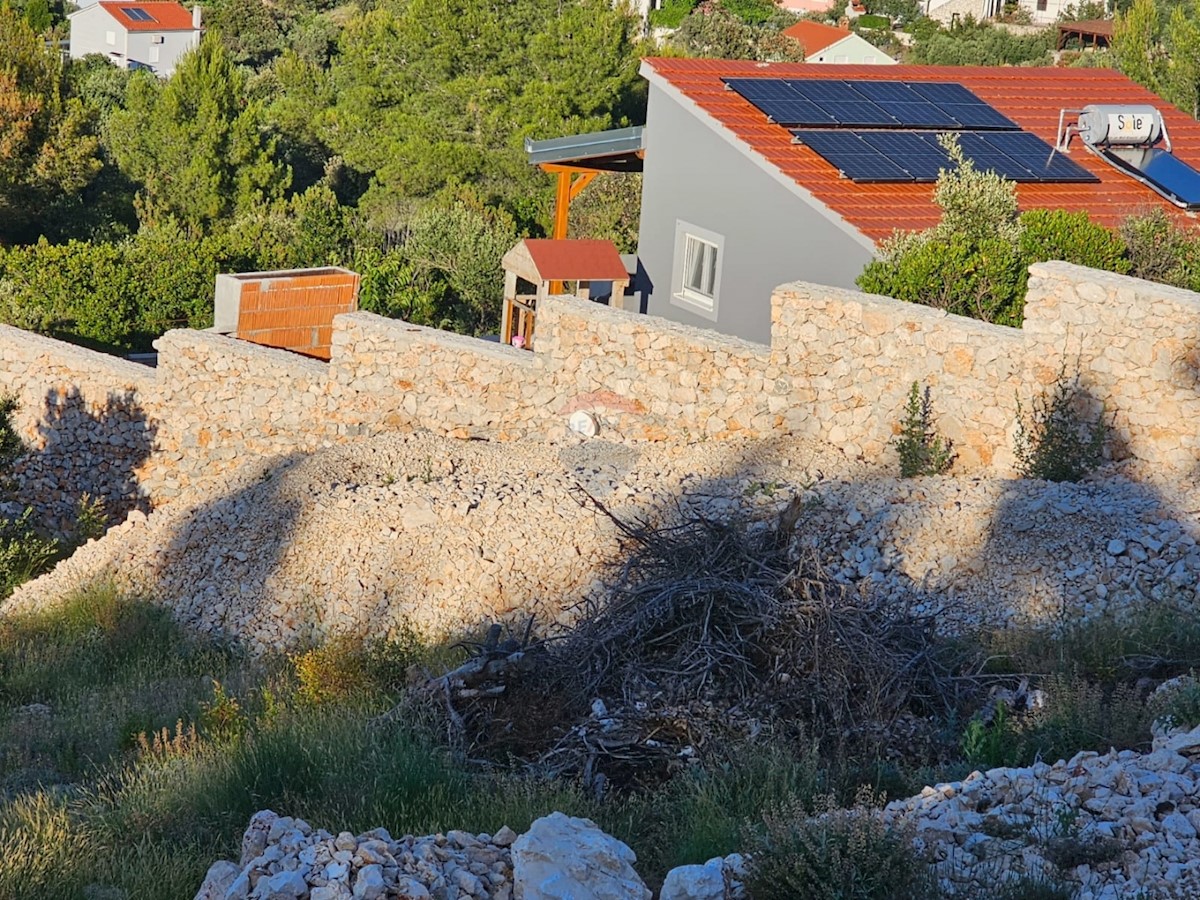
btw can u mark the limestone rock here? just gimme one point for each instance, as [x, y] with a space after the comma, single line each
[221, 875]
[567, 858]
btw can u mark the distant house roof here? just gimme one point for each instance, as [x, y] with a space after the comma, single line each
[816, 36]
[540, 259]
[1031, 97]
[149, 15]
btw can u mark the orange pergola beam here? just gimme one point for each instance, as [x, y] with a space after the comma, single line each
[571, 181]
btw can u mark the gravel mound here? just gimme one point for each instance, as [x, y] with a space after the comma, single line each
[445, 535]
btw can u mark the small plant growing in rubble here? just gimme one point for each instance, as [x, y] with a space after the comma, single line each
[921, 449]
[836, 853]
[1057, 442]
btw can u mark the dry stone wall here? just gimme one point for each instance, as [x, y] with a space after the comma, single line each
[85, 415]
[838, 369]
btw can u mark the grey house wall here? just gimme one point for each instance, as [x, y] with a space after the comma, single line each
[89, 34]
[771, 235]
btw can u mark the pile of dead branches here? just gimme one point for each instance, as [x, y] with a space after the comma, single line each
[710, 628]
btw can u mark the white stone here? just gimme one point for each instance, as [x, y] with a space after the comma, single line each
[566, 858]
[220, 877]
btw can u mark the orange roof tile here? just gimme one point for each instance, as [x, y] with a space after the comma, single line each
[164, 16]
[815, 36]
[576, 260]
[1031, 97]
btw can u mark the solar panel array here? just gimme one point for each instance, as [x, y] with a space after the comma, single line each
[881, 131]
[880, 156]
[809, 102]
[137, 14]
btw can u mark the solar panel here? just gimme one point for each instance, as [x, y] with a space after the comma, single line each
[922, 115]
[990, 158]
[1040, 158]
[1166, 173]
[979, 115]
[917, 153]
[138, 15]
[887, 91]
[780, 103]
[917, 156]
[941, 92]
[845, 105]
[966, 108]
[851, 156]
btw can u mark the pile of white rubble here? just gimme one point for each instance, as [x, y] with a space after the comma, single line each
[559, 858]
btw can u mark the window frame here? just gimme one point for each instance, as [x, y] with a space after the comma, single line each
[694, 299]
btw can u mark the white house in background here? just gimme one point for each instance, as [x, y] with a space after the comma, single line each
[827, 44]
[151, 34]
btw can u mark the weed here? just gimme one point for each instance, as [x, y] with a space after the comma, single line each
[993, 745]
[221, 717]
[836, 854]
[1059, 442]
[91, 521]
[162, 744]
[922, 451]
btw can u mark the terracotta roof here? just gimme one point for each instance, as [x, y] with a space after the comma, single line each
[815, 36]
[570, 260]
[1032, 97]
[164, 16]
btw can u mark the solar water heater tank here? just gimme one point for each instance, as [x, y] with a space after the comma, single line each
[1105, 124]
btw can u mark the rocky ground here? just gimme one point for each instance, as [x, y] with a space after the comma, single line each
[1119, 824]
[447, 534]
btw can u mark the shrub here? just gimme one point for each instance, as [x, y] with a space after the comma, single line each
[345, 667]
[1072, 237]
[837, 854]
[922, 451]
[24, 554]
[1059, 442]
[1159, 250]
[1180, 707]
[995, 744]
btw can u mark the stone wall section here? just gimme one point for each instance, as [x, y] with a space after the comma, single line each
[88, 418]
[851, 359]
[1137, 348]
[839, 369]
[222, 403]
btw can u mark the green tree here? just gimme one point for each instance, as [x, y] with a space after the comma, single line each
[438, 92]
[1137, 43]
[47, 148]
[461, 241]
[712, 30]
[975, 261]
[195, 145]
[981, 44]
[250, 30]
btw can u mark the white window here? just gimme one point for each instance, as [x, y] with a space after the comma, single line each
[869, 59]
[696, 282]
[110, 37]
[153, 53]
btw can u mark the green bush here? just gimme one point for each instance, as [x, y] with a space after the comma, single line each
[1072, 237]
[922, 450]
[1160, 250]
[837, 854]
[1058, 441]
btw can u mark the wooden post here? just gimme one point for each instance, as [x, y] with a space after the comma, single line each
[562, 205]
[510, 294]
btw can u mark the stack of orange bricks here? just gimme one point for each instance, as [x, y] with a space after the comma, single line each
[295, 312]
